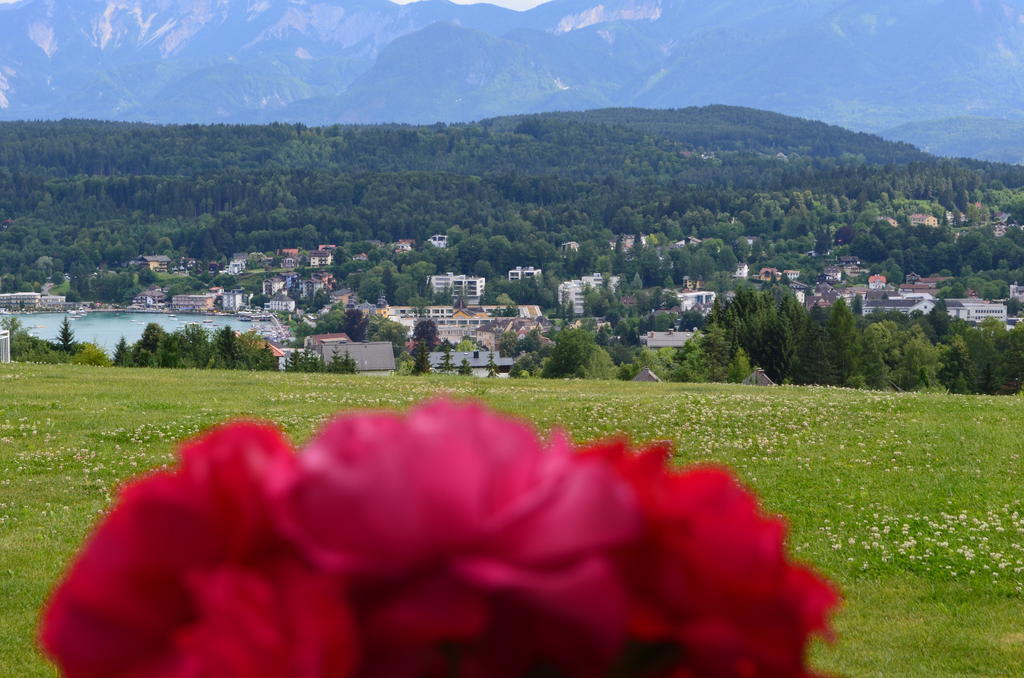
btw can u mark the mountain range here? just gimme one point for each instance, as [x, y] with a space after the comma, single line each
[872, 65]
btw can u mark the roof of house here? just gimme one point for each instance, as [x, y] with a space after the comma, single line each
[758, 378]
[477, 359]
[893, 303]
[327, 338]
[646, 375]
[158, 258]
[370, 356]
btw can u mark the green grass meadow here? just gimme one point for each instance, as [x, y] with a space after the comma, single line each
[912, 503]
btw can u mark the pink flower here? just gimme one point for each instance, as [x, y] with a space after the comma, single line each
[710, 577]
[188, 578]
[462, 533]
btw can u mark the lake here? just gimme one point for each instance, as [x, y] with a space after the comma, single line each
[106, 329]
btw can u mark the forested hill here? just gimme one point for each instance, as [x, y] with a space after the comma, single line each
[83, 198]
[735, 128]
[594, 143]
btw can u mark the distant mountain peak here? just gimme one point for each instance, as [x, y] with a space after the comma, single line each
[634, 10]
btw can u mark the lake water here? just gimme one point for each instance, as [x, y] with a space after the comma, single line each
[106, 329]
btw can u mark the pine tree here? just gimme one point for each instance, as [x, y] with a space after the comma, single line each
[65, 336]
[492, 367]
[422, 364]
[842, 338]
[446, 367]
[465, 369]
[122, 354]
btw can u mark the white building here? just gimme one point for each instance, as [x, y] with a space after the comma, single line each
[903, 305]
[574, 291]
[742, 271]
[668, 339]
[1017, 292]
[469, 287]
[193, 302]
[520, 273]
[52, 300]
[281, 303]
[438, 240]
[700, 300]
[234, 300]
[5, 346]
[877, 282]
[272, 286]
[975, 310]
[20, 299]
[238, 263]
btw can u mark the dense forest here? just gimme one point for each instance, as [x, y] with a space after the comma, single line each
[83, 198]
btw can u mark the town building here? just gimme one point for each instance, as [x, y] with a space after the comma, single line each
[877, 282]
[281, 303]
[20, 299]
[234, 300]
[150, 298]
[919, 219]
[791, 274]
[699, 300]
[321, 258]
[520, 273]
[468, 287]
[574, 291]
[975, 310]
[374, 358]
[478, 362]
[194, 302]
[742, 271]
[670, 339]
[438, 240]
[1017, 291]
[571, 246]
[272, 286]
[154, 262]
[898, 305]
[489, 334]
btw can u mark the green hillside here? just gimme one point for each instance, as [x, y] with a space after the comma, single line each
[910, 502]
[991, 139]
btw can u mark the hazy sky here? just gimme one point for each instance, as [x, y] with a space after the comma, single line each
[511, 4]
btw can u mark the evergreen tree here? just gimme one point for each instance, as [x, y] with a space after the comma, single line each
[225, 349]
[446, 367]
[122, 354]
[422, 362]
[465, 369]
[813, 363]
[65, 336]
[341, 363]
[492, 368]
[842, 341]
[716, 349]
[872, 363]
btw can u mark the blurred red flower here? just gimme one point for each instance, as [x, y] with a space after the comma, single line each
[187, 578]
[461, 531]
[710, 579]
[446, 542]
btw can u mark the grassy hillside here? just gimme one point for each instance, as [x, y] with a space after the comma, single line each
[912, 502]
